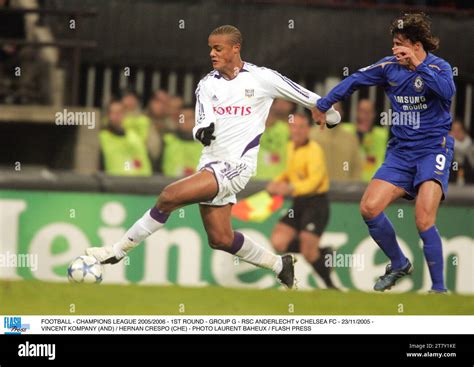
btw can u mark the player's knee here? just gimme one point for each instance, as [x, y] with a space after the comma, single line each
[220, 240]
[369, 209]
[167, 200]
[424, 222]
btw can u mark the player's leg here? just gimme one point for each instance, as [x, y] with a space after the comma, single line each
[217, 223]
[427, 203]
[432, 182]
[378, 195]
[199, 187]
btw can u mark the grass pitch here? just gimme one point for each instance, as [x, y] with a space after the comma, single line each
[42, 298]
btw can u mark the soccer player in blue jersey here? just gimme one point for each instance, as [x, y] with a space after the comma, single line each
[420, 87]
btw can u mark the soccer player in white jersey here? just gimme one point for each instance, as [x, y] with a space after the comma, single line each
[232, 105]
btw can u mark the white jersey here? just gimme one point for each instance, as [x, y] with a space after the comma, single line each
[239, 109]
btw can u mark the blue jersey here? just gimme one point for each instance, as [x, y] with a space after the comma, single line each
[421, 99]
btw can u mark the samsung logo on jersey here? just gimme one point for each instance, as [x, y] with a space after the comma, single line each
[233, 110]
[410, 99]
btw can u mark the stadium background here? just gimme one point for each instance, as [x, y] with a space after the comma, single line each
[55, 201]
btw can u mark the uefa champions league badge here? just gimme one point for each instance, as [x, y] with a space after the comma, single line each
[418, 84]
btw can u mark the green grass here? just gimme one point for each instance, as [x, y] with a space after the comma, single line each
[41, 298]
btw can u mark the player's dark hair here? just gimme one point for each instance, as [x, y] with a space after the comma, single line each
[417, 28]
[229, 30]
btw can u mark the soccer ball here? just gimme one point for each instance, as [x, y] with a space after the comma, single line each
[84, 269]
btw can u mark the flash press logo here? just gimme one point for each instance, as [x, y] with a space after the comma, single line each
[78, 118]
[37, 350]
[13, 325]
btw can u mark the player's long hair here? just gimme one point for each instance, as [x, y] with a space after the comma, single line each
[229, 30]
[417, 28]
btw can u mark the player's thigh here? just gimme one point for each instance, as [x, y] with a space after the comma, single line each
[378, 195]
[198, 187]
[281, 236]
[218, 225]
[427, 204]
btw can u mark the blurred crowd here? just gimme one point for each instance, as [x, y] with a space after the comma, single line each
[27, 74]
[158, 139]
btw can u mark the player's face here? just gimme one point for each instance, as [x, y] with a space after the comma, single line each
[400, 40]
[223, 53]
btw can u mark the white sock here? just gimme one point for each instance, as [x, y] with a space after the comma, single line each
[140, 230]
[257, 255]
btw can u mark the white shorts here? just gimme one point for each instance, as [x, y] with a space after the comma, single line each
[232, 177]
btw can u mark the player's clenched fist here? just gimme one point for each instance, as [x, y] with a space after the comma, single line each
[205, 134]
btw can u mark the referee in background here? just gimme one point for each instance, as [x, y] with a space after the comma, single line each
[305, 178]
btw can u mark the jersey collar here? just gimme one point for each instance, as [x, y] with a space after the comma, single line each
[218, 75]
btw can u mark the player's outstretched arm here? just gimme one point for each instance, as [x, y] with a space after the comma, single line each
[370, 75]
[280, 86]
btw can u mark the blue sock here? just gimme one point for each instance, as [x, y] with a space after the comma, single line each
[381, 230]
[433, 250]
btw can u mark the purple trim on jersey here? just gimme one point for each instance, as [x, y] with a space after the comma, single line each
[235, 172]
[209, 164]
[255, 142]
[158, 215]
[292, 84]
[236, 243]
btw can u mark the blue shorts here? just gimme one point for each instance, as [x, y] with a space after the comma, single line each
[408, 167]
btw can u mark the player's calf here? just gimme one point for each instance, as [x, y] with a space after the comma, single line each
[149, 223]
[249, 251]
